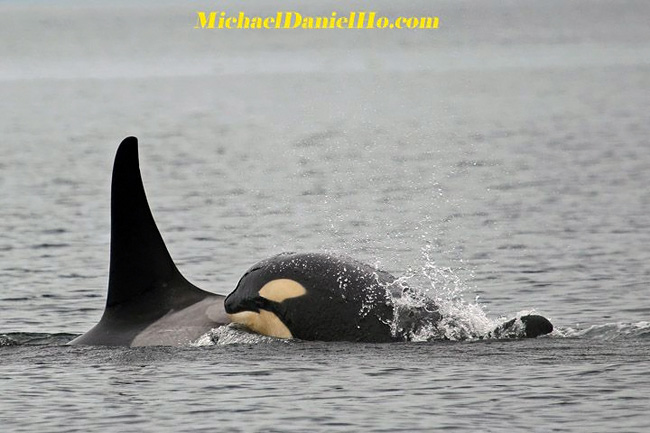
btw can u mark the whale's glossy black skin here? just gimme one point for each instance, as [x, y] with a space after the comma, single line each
[149, 302]
[345, 300]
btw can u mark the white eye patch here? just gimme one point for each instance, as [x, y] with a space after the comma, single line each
[282, 289]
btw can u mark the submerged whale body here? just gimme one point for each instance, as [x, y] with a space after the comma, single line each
[307, 296]
[149, 302]
[324, 297]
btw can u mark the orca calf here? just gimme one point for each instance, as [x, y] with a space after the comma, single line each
[307, 296]
[324, 297]
[315, 297]
[149, 301]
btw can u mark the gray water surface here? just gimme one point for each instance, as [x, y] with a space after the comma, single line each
[501, 161]
[540, 385]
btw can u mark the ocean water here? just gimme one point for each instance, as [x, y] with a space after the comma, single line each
[501, 162]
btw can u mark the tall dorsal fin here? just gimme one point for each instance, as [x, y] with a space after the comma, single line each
[140, 262]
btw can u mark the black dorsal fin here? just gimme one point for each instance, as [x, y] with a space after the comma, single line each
[140, 263]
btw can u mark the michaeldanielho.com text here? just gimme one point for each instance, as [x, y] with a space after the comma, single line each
[296, 20]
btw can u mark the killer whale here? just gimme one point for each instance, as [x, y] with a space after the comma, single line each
[314, 296]
[311, 296]
[149, 301]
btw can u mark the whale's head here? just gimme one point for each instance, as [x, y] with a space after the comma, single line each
[311, 297]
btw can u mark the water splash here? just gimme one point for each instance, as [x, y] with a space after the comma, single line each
[431, 305]
[232, 333]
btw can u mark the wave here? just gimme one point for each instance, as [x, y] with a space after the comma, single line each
[463, 327]
[450, 330]
[35, 339]
[607, 331]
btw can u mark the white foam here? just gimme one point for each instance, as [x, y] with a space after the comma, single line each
[231, 334]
